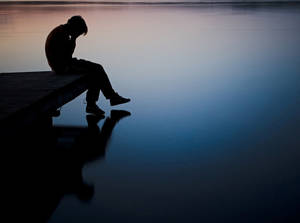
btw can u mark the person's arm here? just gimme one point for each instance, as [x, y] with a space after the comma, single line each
[70, 47]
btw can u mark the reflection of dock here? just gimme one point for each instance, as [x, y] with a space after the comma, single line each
[27, 96]
[48, 164]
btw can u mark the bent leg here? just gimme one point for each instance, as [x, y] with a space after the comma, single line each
[97, 77]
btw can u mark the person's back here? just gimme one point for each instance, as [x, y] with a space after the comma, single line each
[59, 48]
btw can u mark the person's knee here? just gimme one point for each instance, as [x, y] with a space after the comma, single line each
[101, 72]
[100, 68]
[97, 74]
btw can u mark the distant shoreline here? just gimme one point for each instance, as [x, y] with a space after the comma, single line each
[142, 3]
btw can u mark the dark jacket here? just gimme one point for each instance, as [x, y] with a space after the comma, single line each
[59, 48]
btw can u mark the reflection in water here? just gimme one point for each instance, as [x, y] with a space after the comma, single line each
[52, 168]
[215, 132]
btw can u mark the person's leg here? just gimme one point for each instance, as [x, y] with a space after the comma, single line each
[98, 80]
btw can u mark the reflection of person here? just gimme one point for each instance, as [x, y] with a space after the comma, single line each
[60, 45]
[66, 165]
[89, 146]
[94, 141]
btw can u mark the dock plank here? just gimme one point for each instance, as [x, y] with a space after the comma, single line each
[25, 96]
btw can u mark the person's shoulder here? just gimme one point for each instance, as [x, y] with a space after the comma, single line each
[58, 33]
[59, 29]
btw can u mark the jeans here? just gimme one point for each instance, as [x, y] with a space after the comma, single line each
[97, 79]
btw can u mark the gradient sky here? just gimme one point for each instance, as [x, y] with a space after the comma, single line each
[159, 0]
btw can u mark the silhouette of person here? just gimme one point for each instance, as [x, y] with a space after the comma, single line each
[59, 47]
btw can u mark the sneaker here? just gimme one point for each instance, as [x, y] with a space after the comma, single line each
[94, 109]
[117, 99]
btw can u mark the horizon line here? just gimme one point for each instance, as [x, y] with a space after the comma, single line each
[172, 2]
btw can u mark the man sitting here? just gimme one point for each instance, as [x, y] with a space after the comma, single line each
[60, 45]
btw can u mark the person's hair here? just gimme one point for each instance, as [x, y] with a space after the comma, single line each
[78, 23]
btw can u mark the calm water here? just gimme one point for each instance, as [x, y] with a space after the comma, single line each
[214, 129]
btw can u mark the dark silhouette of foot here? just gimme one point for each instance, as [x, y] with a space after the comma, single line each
[55, 113]
[94, 109]
[117, 115]
[116, 99]
[93, 119]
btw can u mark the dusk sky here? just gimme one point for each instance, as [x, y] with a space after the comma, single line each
[154, 0]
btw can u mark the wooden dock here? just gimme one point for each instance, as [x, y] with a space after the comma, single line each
[27, 96]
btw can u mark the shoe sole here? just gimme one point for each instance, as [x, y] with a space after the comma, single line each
[95, 113]
[113, 104]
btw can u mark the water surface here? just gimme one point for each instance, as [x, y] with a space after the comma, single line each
[214, 129]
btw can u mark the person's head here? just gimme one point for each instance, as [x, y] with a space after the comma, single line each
[77, 26]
